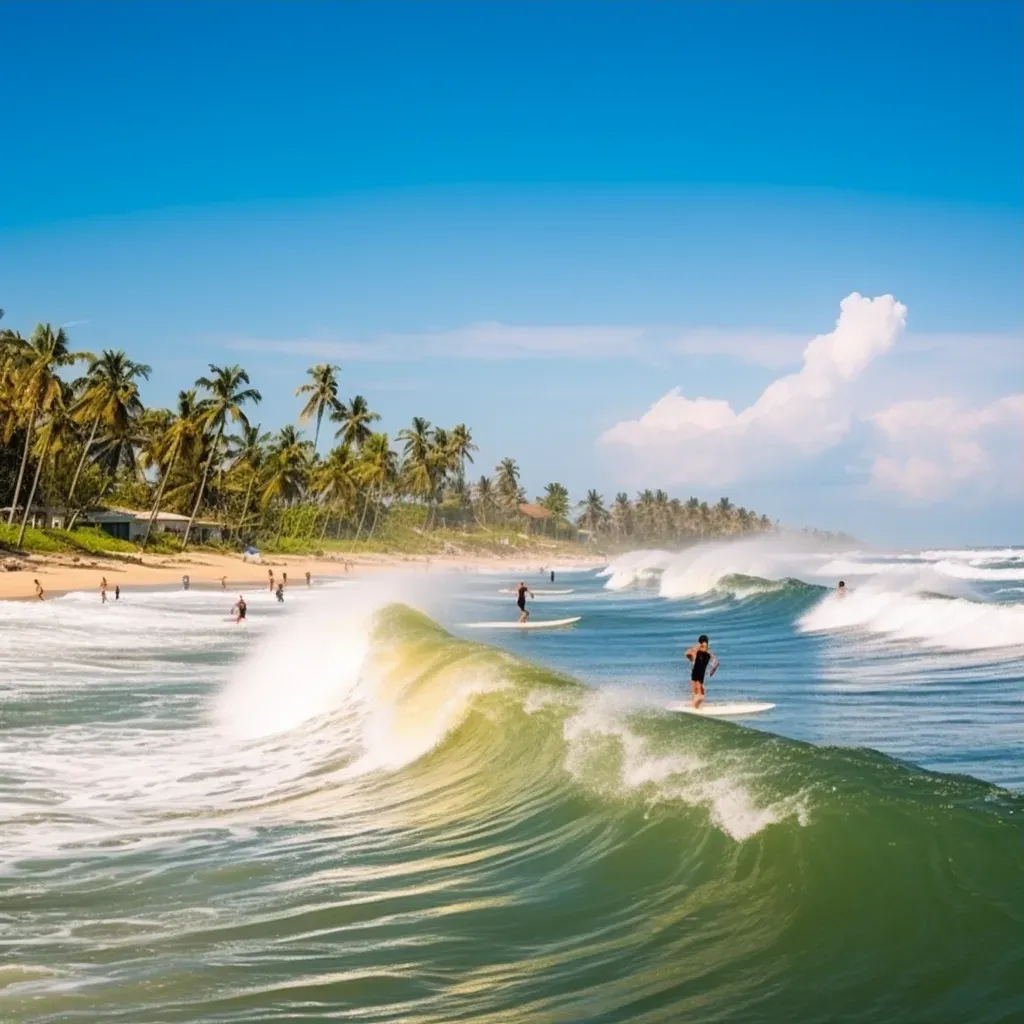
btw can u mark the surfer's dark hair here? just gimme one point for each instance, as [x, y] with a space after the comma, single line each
[703, 638]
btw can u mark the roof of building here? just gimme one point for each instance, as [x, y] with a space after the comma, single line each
[534, 512]
[124, 515]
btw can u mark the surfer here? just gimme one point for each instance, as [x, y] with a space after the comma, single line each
[239, 609]
[701, 656]
[521, 593]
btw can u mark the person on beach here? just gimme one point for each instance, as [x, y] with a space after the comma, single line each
[117, 591]
[239, 609]
[521, 593]
[701, 657]
[284, 579]
[186, 582]
[280, 593]
[39, 589]
[552, 575]
[841, 589]
[223, 583]
[103, 590]
[309, 579]
[270, 579]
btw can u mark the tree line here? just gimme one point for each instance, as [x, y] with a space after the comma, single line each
[78, 442]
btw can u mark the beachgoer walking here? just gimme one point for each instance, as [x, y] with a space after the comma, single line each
[39, 589]
[223, 583]
[309, 579]
[280, 593]
[117, 591]
[270, 579]
[239, 609]
[103, 590]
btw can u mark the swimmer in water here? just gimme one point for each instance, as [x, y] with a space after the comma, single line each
[239, 609]
[521, 593]
[700, 656]
[841, 590]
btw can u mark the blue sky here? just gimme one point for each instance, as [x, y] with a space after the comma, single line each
[541, 219]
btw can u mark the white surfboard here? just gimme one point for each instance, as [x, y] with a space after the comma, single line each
[539, 593]
[749, 707]
[542, 624]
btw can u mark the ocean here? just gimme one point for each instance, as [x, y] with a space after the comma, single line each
[353, 808]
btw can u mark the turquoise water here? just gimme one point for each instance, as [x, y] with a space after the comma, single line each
[349, 809]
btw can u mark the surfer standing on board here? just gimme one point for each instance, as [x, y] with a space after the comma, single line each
[701, 656]
[521, 601]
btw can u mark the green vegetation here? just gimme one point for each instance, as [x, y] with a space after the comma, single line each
[87, 442]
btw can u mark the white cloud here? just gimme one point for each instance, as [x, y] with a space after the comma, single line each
[797, 416]
[932, 447]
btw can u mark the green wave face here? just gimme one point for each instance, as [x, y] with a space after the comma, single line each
[505, 845]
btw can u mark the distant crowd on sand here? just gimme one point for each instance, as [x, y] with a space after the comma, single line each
[276, 587]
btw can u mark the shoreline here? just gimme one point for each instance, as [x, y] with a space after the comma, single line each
[60, 575]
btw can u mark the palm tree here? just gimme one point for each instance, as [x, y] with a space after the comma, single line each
[484, 499]
[462, 447]
[110, 396]
[287, 470]
[35, 365]
[509, 492]
[45, 436]
[556, 501]
[227, 396]
[323, 395]
[355, 419]
[594, 514]
[418, 453]
[247, 452]
[378, 467]
[622, 515]
[173, 437]
[335, 480]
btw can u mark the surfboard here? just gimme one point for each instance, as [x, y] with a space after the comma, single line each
[749, 707]
[543, 624]
[538, 593]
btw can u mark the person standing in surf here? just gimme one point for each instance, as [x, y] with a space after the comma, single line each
[240, 609]
[521, 593]
[701, 656]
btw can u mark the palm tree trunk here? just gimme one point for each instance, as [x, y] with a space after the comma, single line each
[202, 486]
[327, 522]
[362, 518]
[32, 491]
[24, 461]
[245, 507]
[376, 511]
[159, 497]
[79, 468]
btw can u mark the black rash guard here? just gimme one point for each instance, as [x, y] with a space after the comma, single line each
[700, 665]
[521, 598]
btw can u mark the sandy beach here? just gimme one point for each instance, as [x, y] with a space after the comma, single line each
[59, 574]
